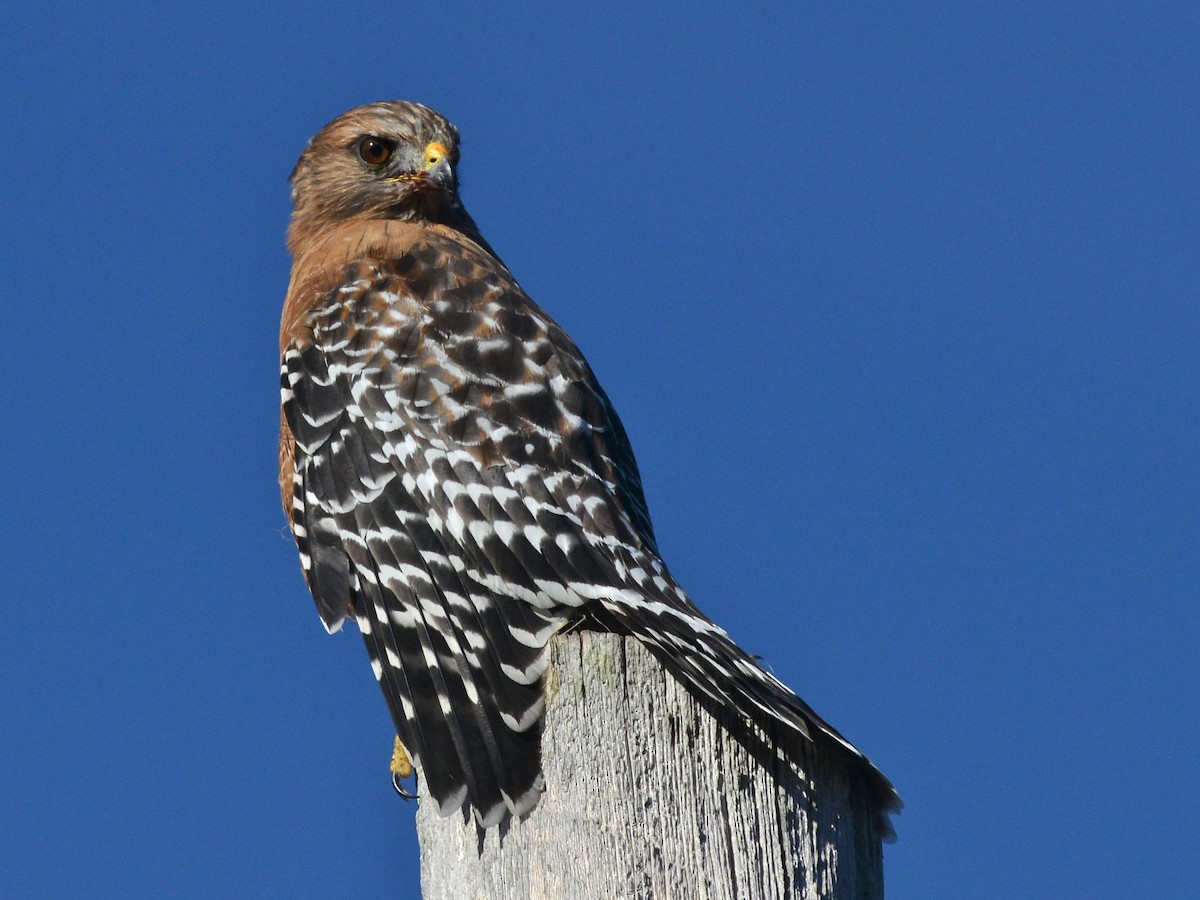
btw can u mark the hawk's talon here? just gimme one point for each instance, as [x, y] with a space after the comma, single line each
[401, 789]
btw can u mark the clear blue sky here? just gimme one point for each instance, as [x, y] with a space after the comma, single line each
[899, 306]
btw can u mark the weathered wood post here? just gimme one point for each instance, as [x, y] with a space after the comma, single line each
[649, 794]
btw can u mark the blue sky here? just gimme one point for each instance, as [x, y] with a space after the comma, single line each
[898, 306]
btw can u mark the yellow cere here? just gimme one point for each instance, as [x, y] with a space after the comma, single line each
[434, 154]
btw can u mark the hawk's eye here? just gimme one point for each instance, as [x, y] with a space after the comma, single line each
[375, 151]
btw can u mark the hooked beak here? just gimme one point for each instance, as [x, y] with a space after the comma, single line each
[437, 171]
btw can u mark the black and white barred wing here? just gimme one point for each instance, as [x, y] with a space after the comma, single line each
[376, 518]
[415, 507]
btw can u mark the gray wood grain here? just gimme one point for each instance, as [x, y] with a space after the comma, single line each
[651, 795]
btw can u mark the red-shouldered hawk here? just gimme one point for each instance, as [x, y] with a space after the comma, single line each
[455, 477]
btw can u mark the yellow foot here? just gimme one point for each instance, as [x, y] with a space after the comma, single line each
[401, 769]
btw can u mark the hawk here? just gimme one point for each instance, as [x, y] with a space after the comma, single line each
[455, 477]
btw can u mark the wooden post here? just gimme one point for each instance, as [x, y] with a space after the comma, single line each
[650, 794]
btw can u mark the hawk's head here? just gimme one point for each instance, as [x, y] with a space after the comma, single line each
[390, 160]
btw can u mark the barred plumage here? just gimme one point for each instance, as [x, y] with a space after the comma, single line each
[455, 477]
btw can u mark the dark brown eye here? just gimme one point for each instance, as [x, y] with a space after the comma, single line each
[375, 151]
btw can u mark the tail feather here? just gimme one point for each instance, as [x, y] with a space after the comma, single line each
[705, 659]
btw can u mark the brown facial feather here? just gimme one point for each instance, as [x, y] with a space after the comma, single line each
[331, 183]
